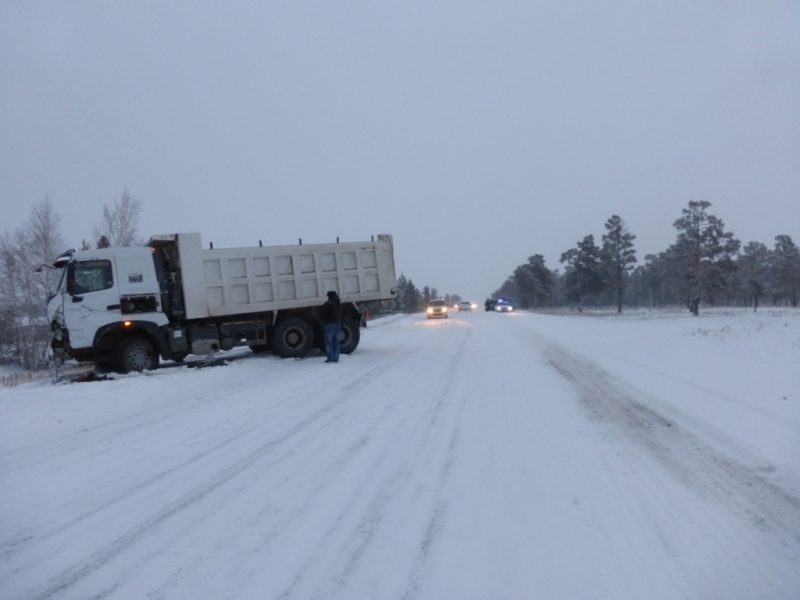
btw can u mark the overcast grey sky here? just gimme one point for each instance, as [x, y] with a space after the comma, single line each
[476, 133]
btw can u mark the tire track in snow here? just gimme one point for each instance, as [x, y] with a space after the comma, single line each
[78, 441]
[694, 462]
[375, 367]
[264, 540]
[359, 539]
[8, 550]
[17, 540]
[438, 514]
[69, 577]
[277, 529]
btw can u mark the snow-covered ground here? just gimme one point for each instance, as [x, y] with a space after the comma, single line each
[652, 455]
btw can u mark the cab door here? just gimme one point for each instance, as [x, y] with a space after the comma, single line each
[91, 299]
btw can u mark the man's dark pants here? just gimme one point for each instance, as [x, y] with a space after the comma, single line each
[332, 341]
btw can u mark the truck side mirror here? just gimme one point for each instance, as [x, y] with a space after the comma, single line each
[71, 279]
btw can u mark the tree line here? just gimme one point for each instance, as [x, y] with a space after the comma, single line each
[410, 299]
[706, 265]
[26, 279]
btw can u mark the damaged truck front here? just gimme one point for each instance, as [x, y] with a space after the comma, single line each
[126, 308]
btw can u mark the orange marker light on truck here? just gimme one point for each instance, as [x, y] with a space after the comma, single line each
[127, 323]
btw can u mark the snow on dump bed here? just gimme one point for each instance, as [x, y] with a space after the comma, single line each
[647, 455]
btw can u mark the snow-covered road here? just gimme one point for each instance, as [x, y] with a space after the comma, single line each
[482, 456]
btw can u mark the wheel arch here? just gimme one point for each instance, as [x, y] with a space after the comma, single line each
[112, 335]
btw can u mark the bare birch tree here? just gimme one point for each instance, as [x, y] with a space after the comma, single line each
[24, 293]
[120, 223]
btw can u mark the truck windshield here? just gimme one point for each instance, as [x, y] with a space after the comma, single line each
[89, 276]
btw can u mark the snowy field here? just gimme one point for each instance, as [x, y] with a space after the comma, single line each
[653, 455]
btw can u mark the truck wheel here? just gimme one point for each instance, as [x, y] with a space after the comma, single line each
[136, 354]
[319, 339]
[349, 336]
[292, 337]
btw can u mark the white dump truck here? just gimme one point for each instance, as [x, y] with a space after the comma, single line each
[123, 308]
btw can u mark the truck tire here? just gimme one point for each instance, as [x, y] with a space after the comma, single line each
[135, 354]
[319, 340]
[292, 337]
[349, 336]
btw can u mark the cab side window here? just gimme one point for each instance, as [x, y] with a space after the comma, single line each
[89, 276]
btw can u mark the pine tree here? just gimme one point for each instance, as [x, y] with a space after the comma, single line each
[533, 282]
[702, 251]
[583, 275]
[402, 283]
[507, 290]
[412, 298]
[408, 298]
[786, 268]
[426, 294]
[618, 255]
[754, 271]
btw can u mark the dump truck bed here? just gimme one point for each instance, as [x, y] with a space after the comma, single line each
[229, 281]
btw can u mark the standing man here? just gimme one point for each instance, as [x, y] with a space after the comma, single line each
[332, 318]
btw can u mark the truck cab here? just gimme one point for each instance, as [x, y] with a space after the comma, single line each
[102, 295]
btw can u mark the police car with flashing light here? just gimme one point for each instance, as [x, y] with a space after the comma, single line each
[501, 305]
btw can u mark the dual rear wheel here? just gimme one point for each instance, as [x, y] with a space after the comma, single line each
[349, 336]
[293, 337]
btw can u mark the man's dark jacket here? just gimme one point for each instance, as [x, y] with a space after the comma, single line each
[332, 311]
